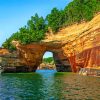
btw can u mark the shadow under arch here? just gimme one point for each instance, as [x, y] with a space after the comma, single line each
[62, 63]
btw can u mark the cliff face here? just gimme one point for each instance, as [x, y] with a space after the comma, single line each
[10, 62]
[3, 51]
[31, 55]
[76, 46]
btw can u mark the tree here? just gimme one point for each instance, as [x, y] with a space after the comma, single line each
[55, 19]
[75, 12]
[48, 60]
[34, 31]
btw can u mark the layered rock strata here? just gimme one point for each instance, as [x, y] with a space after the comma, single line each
[31, 55]
[3, 51]
[73, 47]
[11, 63]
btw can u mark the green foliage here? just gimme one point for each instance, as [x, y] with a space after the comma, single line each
[34, 31]
[55, 19]
[79, 10]
[75, 11]
[48, 60]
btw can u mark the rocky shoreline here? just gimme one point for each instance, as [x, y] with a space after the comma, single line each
[49, 66]
[90, 72]
[10, 63]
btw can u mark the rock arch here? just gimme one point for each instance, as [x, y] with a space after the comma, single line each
[31, 55]
[75, 47]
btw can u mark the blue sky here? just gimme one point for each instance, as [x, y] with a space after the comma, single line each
[48, 54]
[15, 13]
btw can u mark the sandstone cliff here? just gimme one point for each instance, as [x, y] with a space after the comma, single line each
[81, 43]
[3, 51]
[73, 47]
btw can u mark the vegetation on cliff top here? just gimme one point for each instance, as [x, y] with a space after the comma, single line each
[34, 31]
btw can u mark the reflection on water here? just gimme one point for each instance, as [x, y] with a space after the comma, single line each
[48, 85]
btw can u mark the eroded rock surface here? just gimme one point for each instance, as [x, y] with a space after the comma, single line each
[32, 55]
[10, 62]
[74, 47]
[3, 51]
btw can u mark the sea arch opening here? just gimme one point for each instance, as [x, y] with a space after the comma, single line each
[55, 60]
[47, 61]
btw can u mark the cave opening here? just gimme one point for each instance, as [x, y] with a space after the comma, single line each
[47, 61]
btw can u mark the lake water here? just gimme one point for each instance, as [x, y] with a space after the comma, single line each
[48, 85]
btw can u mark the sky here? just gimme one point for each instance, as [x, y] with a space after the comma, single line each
[48, 54]
[15, 14]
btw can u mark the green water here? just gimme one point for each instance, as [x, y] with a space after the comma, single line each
[48, 85]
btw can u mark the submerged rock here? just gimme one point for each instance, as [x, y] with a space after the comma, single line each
[90, 71]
